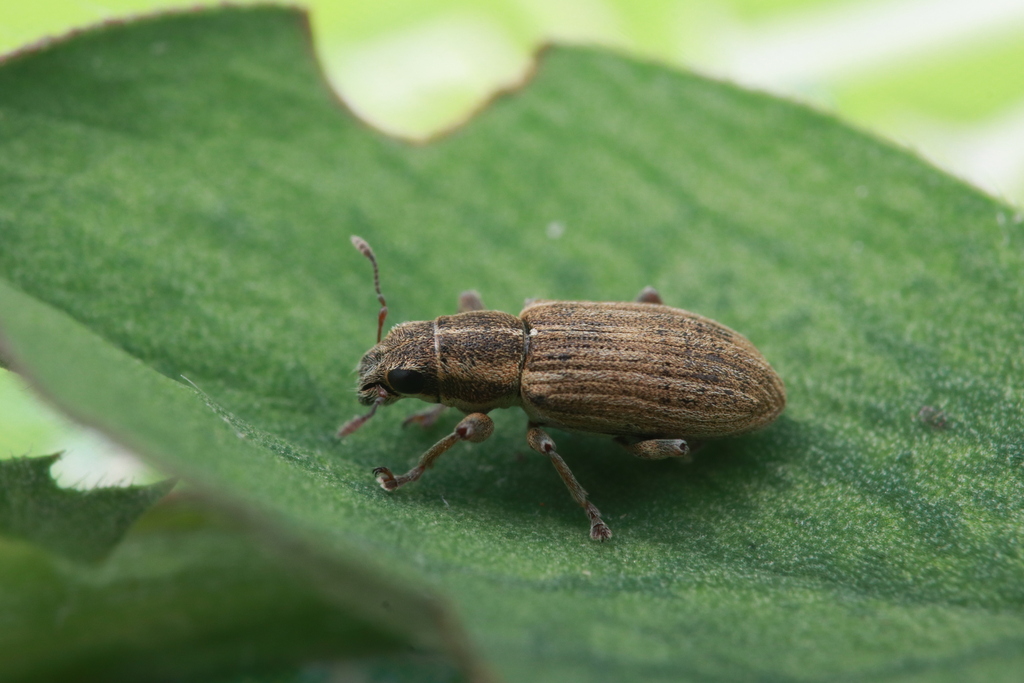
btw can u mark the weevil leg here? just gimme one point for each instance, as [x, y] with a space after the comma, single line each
[658, 449]
[475, 427]
[649, 295]
[539, 441]
[471, 301]
[426, 417]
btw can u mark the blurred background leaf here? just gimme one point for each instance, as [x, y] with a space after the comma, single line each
[941, 76]
[82, 525]
[187, 596]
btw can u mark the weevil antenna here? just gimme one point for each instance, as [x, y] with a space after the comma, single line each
[359, 420]
[364, 249]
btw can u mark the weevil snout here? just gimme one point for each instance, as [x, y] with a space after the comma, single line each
[370, 383]
[370, 394]
[403, 364]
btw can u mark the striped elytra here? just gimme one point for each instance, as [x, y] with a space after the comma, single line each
[643, 370]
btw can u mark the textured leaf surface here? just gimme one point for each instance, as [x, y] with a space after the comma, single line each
[177, 199]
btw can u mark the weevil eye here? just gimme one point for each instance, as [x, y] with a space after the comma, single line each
[406, 381]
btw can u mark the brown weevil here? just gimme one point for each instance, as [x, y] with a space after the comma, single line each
[651, 376]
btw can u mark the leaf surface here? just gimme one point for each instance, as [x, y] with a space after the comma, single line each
[186, 595]
[178, 194]
[82, 525]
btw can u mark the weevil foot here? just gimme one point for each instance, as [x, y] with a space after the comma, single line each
[599, 531]
[390, 482]
[384, 477]
[425, 418]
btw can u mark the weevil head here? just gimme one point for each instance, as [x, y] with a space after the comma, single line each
[403, 365]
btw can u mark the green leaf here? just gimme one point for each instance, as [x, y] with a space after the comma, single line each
[184, 595]
[178, 195]
[82, 525]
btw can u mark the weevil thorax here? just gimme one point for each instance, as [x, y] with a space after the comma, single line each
[480, 356]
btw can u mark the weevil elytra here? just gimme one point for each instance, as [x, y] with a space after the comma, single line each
[653, 377]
